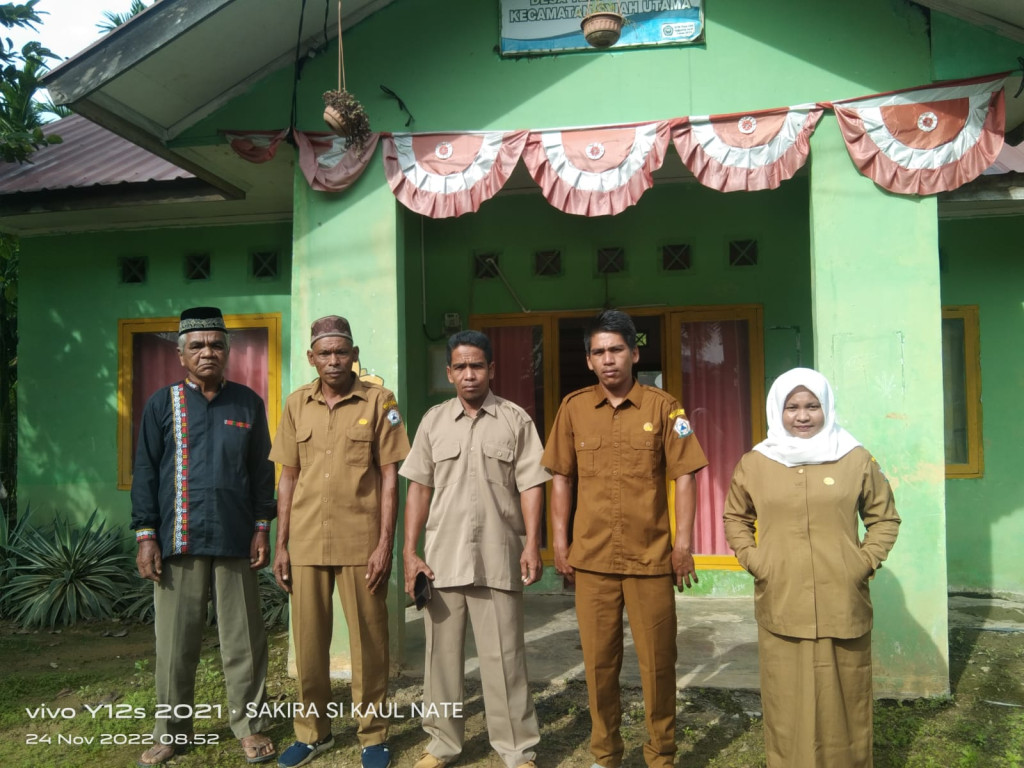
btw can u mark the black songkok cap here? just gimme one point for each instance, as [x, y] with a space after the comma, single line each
[201, 319]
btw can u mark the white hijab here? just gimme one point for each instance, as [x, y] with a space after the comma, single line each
[831, 443]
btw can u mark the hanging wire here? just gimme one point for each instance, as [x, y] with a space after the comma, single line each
[341, 55]
[298, 70]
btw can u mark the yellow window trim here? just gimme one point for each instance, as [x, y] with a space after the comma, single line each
[126, 329]
[975, 465]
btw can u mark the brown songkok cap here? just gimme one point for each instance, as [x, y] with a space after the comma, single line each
[332, 325]
[201, 319]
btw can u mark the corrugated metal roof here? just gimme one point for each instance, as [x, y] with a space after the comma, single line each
[89, 156]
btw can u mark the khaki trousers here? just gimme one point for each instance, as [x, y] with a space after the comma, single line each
[817, 701]
[312, 607]
[497, 619]
[650, 605]
[180, 600]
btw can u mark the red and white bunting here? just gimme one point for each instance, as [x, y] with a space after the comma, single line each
[327, 162]
[448, 174]
[596, 171]
[746, 152]
[926, 140]
[255, 146]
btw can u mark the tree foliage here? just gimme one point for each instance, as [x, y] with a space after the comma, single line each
[112, 20]
[21, 118]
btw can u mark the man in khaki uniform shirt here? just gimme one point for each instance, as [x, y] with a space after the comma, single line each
[479, 456]
[619, 440]
[339, 444]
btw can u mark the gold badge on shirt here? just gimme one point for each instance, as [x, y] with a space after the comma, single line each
[648, 427]
[829, 481]
[363, 421]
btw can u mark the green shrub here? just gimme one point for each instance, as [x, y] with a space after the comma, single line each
[9, 538]
[273, 600]
[66, 574]
[136, 604]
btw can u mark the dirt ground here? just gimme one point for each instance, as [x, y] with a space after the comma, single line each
[82, 698]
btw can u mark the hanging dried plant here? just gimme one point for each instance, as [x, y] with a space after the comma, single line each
[346, 117]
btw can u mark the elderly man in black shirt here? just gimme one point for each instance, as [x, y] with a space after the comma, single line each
[202, 502]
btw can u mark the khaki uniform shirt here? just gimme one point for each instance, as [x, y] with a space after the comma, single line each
[809, 565]
[622, 457]
[335, 516]
[477, 468]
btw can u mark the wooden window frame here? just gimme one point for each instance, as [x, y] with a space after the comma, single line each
[671, 319]
[126, 330]
[974, 467]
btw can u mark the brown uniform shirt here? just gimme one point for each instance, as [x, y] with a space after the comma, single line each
[335, 516]
[622, 458]
[477, 468]
[809, 565]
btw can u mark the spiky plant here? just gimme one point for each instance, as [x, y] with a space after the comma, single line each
[273, 599]
[66, 574]
[136, 603]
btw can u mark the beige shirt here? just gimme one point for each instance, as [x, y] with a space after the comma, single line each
[809, 565]
[623, 458]
[477, 467]
[335, 516]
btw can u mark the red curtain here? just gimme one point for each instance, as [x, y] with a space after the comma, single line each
[155, 364]
[716, 396]
[517, 369]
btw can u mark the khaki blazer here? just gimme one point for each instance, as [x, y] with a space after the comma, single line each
[809, 564]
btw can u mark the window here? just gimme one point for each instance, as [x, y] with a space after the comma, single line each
[743, 253]
[197, 266]
[709, 357]
[264, 265]
[148, 360]
[547, 263]
[675, 257]
[961, 391]
[611, 261]
[133, 269]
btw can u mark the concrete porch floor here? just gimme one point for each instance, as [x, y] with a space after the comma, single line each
[717, 640]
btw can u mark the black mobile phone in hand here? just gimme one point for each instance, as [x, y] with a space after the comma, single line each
[422, 590]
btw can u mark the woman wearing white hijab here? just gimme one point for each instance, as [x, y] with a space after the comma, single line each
[805, 487]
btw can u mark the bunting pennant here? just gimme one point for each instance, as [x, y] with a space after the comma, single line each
[926, 140]
[596, 171]
[746, 152]
[328, 164]
[255, 146]
[448, 174]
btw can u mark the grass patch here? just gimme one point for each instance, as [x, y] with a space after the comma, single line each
[52, 679]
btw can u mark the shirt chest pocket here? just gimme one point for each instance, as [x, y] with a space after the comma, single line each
[359, 446]
[644, 456]
[586, 455]
[304, 439]
[446, 463]
[498, 463]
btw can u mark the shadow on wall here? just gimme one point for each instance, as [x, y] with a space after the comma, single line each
[67, 417]
[923, 666]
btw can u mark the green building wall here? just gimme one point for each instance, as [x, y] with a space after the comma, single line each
[443, 66]
[361, 254]
[71, 299]
[983, 264]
